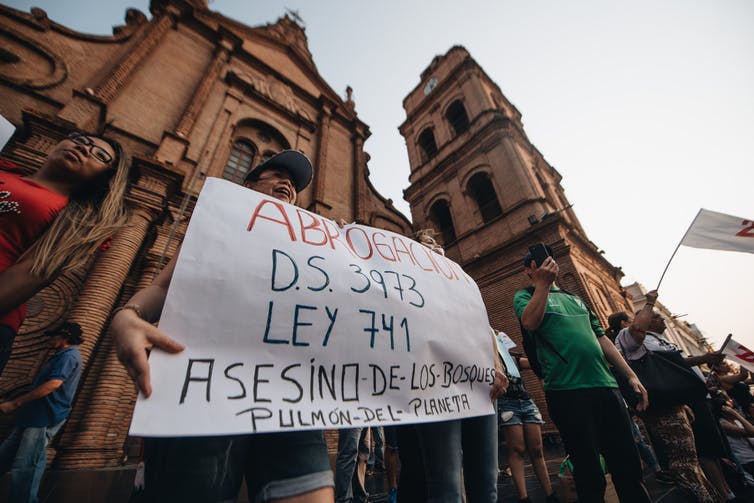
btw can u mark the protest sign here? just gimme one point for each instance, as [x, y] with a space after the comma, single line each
[292, 323]
[504, 345]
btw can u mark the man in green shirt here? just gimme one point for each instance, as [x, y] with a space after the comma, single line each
[582, 394]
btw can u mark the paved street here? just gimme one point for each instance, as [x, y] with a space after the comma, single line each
[114, 485]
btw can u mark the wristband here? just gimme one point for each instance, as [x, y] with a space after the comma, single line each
[131, 307]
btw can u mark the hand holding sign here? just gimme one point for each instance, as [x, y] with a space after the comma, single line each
[133, 337]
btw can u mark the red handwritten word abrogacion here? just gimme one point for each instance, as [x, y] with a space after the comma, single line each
[364, 243]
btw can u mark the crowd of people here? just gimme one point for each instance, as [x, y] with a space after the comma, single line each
[600, 388]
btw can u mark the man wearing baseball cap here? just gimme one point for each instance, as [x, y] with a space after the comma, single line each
[41, 413]
[292, 162]
[282, 467]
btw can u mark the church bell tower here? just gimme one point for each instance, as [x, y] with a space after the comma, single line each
[478, 181]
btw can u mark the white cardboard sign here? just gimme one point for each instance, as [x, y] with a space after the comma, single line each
[291, 323]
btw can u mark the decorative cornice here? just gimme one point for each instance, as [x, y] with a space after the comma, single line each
[248, 87]
[59, 67]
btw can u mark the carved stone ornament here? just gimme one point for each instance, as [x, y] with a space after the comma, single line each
[271, 89]
[29, 63]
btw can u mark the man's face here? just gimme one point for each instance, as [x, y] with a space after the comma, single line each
[657, 324]
[57, 342]
[275, 182]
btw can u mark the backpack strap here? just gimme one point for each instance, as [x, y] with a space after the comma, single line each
[530, 344]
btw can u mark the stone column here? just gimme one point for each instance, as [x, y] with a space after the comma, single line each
[359, 174]
[173, 145]
[320, 162]
[83, 438]
[188, 119]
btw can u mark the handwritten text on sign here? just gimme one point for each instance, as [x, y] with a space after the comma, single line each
[291, 323]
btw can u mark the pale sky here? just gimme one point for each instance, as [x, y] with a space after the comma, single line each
[645, 107]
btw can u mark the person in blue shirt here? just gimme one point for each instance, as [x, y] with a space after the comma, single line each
[40, 414]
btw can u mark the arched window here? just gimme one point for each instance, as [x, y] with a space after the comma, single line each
[427, 144]
[456, 116]
[481, 189]
[240, 161]
[439, 214]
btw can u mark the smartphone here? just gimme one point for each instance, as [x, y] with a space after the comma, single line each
[538, 253]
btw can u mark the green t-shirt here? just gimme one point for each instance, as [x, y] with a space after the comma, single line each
[572, 329]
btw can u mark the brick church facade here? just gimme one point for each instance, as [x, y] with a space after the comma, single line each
[191, 94]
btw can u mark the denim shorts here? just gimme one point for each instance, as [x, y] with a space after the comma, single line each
[211, 469]
[515, 412]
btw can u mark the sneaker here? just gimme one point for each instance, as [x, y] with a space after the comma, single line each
[552, 499]
[393, 496]
[664, 477]
[524, 500]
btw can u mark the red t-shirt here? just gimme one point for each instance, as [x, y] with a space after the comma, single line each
[26, 210]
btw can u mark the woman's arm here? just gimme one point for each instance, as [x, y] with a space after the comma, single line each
[18, 284]
[134, 335]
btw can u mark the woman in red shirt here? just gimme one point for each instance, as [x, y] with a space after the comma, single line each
[55, 219]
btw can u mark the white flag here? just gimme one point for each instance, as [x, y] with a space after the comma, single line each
[719, 231]
[739, 354]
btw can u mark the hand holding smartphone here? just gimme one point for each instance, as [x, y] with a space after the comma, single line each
[539, 253]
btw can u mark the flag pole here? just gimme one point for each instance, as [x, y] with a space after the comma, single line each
[676, 249]
[727, 340]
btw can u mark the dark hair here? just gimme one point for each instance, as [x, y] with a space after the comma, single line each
[94, 213]
[614, 321]
[69, 331]
[614, 324]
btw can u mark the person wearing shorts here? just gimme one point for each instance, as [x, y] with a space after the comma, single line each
[276, 466]
[521, 424]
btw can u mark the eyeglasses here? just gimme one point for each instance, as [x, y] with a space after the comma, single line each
[98, 152]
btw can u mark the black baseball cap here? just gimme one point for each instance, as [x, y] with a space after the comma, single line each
[295, 162]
